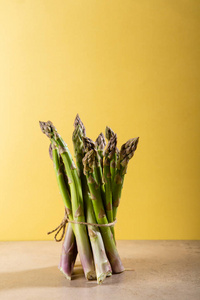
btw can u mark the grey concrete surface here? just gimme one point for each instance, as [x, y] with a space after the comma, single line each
[162, 270]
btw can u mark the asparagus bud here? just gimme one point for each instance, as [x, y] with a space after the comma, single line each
[111, 147]
[48, 129]
[89, 161]
[109, 133]
[127, 151]
[100, 145]
[100, 142]
[78, 122]
[88, 144]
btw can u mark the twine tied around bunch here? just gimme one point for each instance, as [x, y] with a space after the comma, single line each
[64, 222]
[60, 227]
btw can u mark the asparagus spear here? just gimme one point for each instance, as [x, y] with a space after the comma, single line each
[75, 212]
[61, 180]
[69, 253]
[90, 145]
[69, 247]
[102, 264]
[100, 145]
[126, 153]
[90, 163]
[109, 153]
[113, 162]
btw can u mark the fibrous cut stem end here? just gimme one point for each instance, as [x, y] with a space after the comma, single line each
[66, 276]
[91, 275]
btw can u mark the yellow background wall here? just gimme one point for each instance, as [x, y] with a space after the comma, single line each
[132, 65]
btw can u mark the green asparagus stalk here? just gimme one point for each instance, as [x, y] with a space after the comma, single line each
[102, 264]
[69, 247]
[108, 156]
[90, 163]
[75, 212]
[126, 153]
[62, 168]
[100, 144]
[113, 162]
[61, 180]
[68, 254]
[90, 145]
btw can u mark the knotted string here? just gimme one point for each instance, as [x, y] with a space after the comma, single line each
[64, 222]
[60, 227]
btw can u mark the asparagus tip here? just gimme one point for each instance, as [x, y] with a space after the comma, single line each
[77, 122]
[111, 147]
[109, 133]
[47, 128]
[88, 144]
[100, 141]
[41, 125]
[127, 150]
[77, 134]
[89, 160]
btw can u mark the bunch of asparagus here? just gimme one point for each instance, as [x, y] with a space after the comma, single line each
[91, 191]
